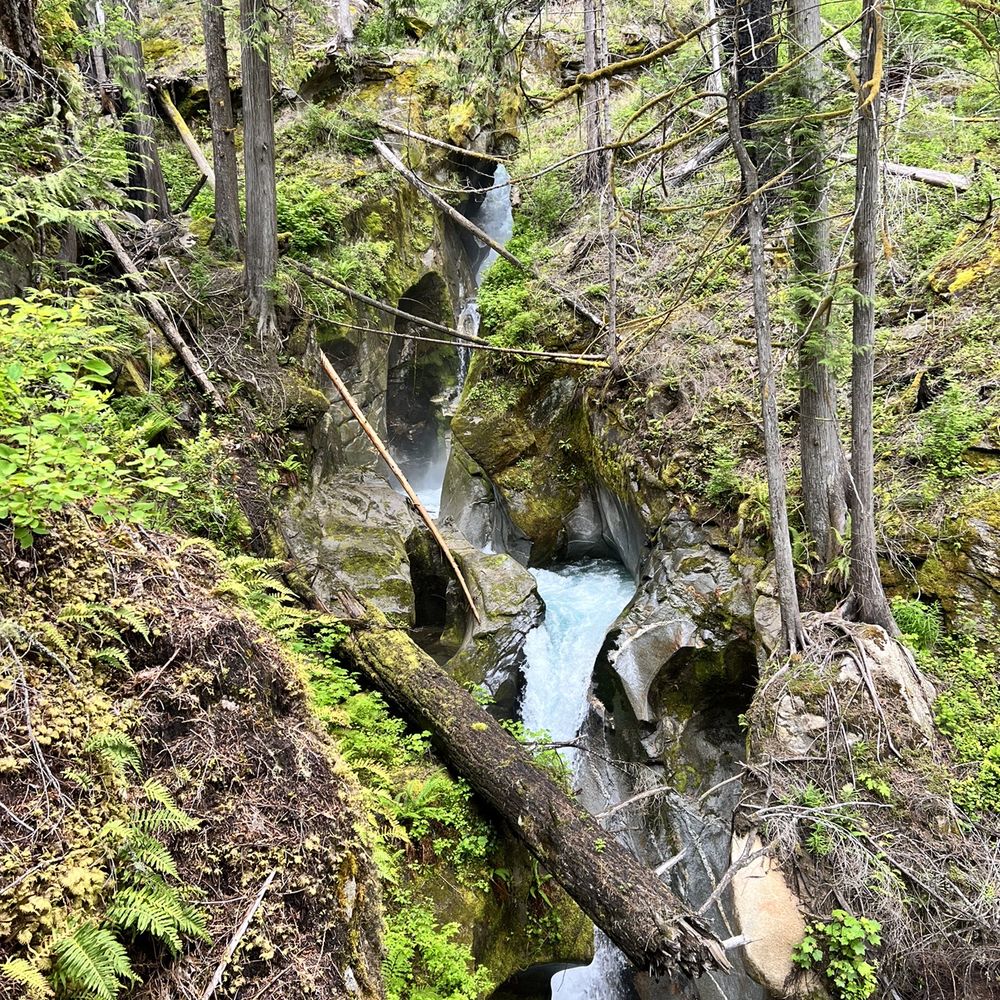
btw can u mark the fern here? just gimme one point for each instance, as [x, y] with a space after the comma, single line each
[91, 963]
[146, 854]
[155, 908]
[23, 973]
[117, 751]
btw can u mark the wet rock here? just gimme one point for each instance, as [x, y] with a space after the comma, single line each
[352, 532]
[491, 653]
[691, 598]
[467, 499]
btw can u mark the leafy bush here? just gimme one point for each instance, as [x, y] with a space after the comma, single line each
[920, 623]
[423, 962]
[948, 427]
[60, 442]
[967, 711]
[838, 949]
[310, 216]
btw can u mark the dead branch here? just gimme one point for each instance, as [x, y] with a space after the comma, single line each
[372, 436]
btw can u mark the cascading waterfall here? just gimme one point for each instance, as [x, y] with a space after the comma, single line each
[495, 218]
[581, 602]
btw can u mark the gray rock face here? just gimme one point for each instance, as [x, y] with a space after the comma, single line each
[492, 652]
[467, 499]
[691, 598]
[353, 532]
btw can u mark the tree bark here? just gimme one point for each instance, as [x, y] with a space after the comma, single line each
[228, 221]
[820, 452]
[258, 169]
[187, 137]
[624, 898]
[19, 35]
[869, 601]
[595, 174]
[146, 185]
[788, 598]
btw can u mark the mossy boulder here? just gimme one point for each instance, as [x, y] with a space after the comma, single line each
[351, 532]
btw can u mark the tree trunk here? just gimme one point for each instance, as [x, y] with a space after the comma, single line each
[788, 598]
[595, 173]
[228, 222]
[751, 44]
[870, 604]
[624, 898]
[345, 29]
[258, 168]
[92, 60]
[19, 35]
[146, 184]
[820, 451]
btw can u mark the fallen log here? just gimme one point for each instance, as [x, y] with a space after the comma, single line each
[439, 143]
[592, 360]
[934, 178]
[456, 216]
[624, 898]
[161, 317]
[187, 137]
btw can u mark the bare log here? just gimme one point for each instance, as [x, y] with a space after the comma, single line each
[187, 137]
[934, 178]
[161, 317]
[456, 216]
[372, 436]
[441, 144]
[622, 896]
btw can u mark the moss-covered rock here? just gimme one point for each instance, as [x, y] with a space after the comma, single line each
[352, 532]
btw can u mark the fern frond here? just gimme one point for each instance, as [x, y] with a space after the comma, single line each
[155, 908]
[168, 817]
[91, 962]
[23, 973]
[131, 617]
[145, 853]
[117, 751]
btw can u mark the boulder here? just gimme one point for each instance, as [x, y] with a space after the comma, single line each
[352, 531]
[691, 598]
[492, 650]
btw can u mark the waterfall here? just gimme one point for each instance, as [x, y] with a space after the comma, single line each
[494, 217]
[581, 602]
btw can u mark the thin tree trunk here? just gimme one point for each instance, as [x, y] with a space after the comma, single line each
[383, 451]
[228, 222]
[187, 137]
[595, 163]
[146, 185]
[161, 317]
[788, 598]
[715, 83]
[93, 60]
[345, 29]
[820, 452]
[258, 169]
[624, 898]
[870, 604]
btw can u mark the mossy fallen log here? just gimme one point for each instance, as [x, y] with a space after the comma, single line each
[625, 899]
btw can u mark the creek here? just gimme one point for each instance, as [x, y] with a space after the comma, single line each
[589, 604]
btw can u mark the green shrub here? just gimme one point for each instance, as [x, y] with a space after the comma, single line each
[60, 441]
[948, 427]
[967, 711]
[838, 949]
[920, 623]
[309, 217]
[422, 960]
